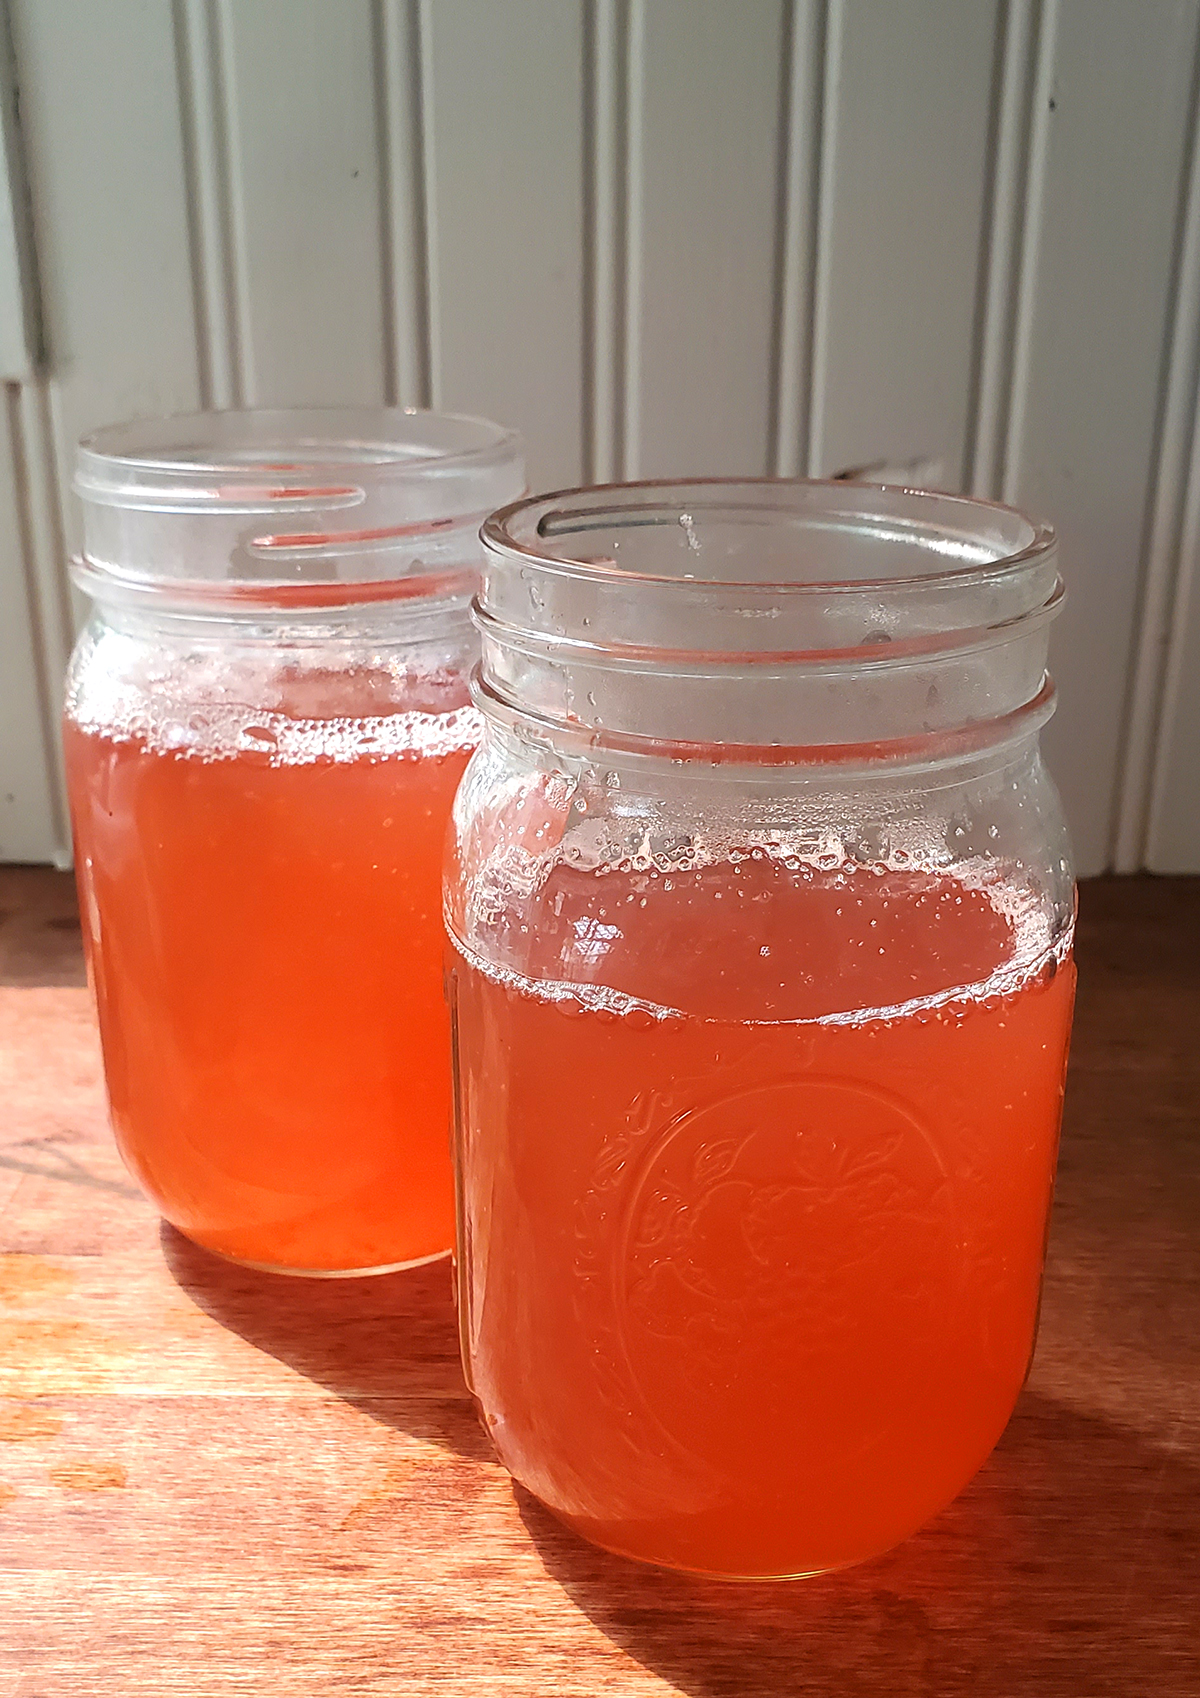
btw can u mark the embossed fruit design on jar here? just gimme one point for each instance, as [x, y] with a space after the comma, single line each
[761, 911]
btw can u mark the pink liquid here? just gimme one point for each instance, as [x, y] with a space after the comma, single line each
[264, 927]
[748, 1291]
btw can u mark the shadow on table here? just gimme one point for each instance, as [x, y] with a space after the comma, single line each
[1070, 1569]
[40, 941]
[386, 1344]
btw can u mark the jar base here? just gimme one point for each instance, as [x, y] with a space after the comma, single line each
[722, 1575]
[324, 1273]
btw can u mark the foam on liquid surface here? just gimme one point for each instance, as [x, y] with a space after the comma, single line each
[208, 711]
[1011, 941]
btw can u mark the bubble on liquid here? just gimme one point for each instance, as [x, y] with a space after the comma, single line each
[688, 526]
[148, 713]
[952, 1006]
[1038, 935]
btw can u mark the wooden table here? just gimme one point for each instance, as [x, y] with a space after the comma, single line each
[217, 1482]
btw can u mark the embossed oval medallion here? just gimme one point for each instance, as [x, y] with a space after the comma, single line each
[784, 1237]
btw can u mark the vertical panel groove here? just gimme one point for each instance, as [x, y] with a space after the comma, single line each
[628, 446]
[1174, 669]
[40, 626]
[612, 212]
[1007, 473]
[1007, 205]
[427, 167]
[233, 211]
[43, 549]
[203, 108]
[1172, 536]
[404, 243]
[818, 335]
[796, 246]
[31, 356]
[603, 214]
[386, 88]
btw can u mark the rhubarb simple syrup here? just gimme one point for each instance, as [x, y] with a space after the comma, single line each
[263, 921]
[750, 1288]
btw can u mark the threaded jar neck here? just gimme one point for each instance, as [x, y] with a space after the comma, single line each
[234, 513]
[767, 620]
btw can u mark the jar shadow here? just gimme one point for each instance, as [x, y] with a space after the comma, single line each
[1071, 1565]
[387, 1344]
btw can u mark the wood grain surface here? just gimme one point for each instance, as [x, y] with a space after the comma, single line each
[218, 1482]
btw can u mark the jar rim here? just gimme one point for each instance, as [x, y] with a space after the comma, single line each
[369, 441]
[283, 504]
[765, 612]
[500, 533]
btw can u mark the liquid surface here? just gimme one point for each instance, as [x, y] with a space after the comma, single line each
[751, 1250]
[261, 898]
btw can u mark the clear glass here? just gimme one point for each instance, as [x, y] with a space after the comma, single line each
[265, 723]
[761, 909]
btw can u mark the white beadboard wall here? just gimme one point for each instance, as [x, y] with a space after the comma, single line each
[659, 236]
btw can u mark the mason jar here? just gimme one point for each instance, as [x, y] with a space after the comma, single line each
[761, 907]
[265, 723]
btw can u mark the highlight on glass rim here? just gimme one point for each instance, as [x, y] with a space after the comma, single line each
[599, 848]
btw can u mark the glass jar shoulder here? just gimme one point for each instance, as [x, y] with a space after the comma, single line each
[187, 687]
[769, 896]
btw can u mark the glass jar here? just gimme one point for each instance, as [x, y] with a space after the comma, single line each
[761, 908]
[265, 723]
